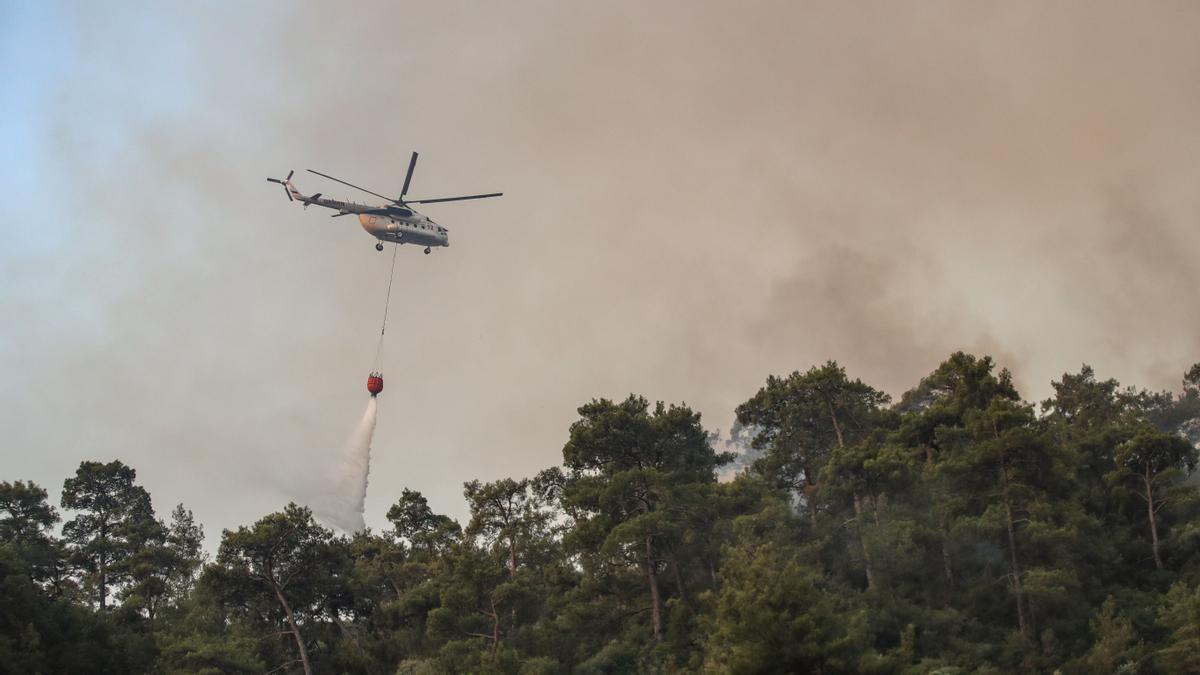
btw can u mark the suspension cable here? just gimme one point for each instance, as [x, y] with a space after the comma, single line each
[386, 304]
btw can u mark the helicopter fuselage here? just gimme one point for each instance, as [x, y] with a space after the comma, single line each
[389, 223]
[415, 229]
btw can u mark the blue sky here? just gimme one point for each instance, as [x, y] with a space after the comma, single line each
[31, 68]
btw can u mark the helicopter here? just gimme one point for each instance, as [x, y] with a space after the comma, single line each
[395, 222]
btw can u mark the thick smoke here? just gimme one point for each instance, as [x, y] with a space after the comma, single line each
[696, 195]
[345, 503]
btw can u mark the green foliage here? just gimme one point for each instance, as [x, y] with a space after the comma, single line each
[417, 524]
[512, 517]
[773, 613]
[1150, 465]
[632, 476]
[1116, 647]
[956, 531]
[801, 419]
[25, 516]
[115, 521]
[44, 634]
[26, 519]
[1180, 616]
[163, 568]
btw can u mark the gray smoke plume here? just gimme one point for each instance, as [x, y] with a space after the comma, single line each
[344, 503]
[697, 194]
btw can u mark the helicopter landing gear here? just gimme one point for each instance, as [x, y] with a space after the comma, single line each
[379, 246]
[426, 250]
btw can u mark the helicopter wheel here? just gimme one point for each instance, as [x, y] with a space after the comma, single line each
[426, 250]
[379, 246]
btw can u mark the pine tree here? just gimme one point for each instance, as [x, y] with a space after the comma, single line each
[115, 520]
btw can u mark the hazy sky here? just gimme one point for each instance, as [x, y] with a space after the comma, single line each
[696, 195]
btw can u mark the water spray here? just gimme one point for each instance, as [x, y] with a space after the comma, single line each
[350, 491]
[347, 503]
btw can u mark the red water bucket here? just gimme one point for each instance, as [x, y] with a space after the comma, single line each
[375, 383]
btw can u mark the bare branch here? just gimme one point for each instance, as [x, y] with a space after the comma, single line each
[285, 665]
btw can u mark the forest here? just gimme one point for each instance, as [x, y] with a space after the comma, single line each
[958, 529]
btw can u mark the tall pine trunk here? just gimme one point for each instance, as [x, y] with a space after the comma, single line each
[103, 582]
[291, 619]
[1150, 514]
[1012, 549]
[858, 518]
[495, 627]
[103, 567]
[655, 600]
[678, 576]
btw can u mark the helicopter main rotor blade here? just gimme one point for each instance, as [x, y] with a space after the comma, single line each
[339, 180]
[453, 199]
[412, 164]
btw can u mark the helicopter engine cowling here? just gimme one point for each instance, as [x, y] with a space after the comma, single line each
[377, 226]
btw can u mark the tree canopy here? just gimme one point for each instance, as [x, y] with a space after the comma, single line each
[960, 529]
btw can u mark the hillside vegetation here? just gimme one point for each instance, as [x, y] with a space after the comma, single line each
[959, 529]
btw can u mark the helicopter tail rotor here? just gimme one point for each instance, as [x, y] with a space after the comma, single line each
[287, 185]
